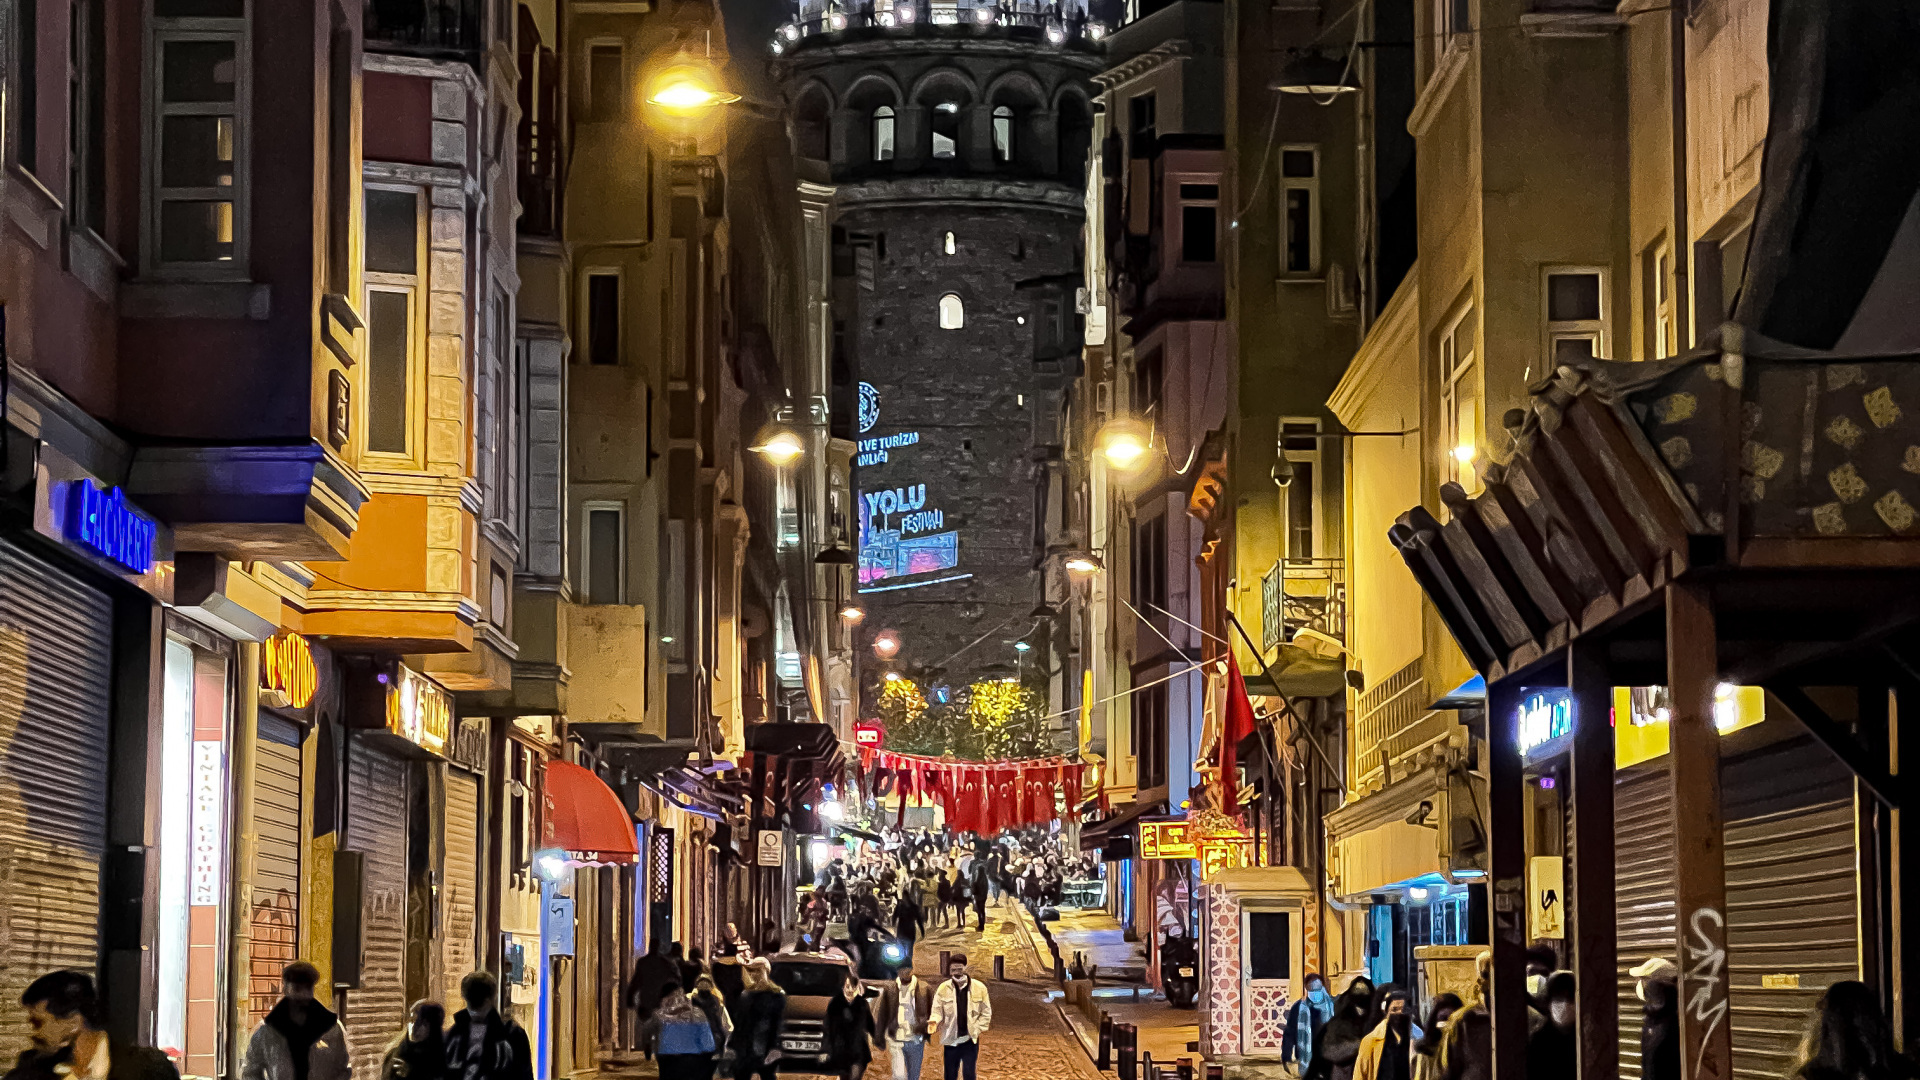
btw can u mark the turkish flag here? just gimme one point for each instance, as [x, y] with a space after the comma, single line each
[1239, 725]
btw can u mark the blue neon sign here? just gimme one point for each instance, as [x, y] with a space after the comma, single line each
[102, 522]
[1545, 720]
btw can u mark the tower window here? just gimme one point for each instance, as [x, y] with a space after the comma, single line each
[953, 314]
[1002, 133]
[949, 248]
[883, 133]
[946, 130]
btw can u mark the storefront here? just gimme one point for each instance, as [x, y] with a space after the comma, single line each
[525, 745]
[293, 677]
[402, 722]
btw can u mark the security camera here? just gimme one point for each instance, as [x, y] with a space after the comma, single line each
[1420, 813]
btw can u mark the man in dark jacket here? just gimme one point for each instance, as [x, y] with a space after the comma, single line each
[651, 973]
[1658, 988]
[64, 1025]
[482, 1044]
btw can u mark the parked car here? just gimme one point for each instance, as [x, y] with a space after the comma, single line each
[811, 981]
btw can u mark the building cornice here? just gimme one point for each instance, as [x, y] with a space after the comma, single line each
[944, 191]
[1134, 67]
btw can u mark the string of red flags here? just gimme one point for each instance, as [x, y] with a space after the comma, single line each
[978, 796]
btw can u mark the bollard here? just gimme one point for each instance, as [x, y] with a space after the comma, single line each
[999, 968]
[1129, 1065]
[1105, 1060]
[1216, 1072]
[1186, 1069]
[1146, 1067]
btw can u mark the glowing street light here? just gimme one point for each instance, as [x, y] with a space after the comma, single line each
[1084, 564]
[778, 444]
[688, 89]
[852, 614]
[1021, 646]
[1465, 453]
[885, 646]
[1126, 444]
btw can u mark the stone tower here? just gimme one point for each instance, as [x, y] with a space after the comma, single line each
[956, 135]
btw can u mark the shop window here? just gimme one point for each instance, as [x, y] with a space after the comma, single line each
[393, 295]
[196, 189]
[191, 940]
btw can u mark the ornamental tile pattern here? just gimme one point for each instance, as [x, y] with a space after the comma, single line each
[1221, 940]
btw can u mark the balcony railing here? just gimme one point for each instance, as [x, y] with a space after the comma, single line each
[454, 29]
[1304, 594]
[1059, 23]
[1391, 723]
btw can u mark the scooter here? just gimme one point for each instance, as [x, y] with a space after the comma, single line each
[1179, 971]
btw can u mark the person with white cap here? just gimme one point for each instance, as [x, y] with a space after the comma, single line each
[1658, 986]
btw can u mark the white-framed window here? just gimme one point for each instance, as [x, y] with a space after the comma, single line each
[1656, 268]
[394, 299]
[1002, 133]
[1575, 301]
[1452, 21]
[953, 314]
[883, 119]
[604, 568]
[195, 225]
[1460, 421]
[602, 316]
[1299, 210]
[1199, 222]
[1300, 446]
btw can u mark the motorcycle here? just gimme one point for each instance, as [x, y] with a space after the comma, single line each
[1179, 971]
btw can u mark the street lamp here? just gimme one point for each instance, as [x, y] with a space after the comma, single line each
[778, 443]
[1315, 73]
[852, 614]
[886, 646]
[1126, 444]
[688, 89]
[1084, 564]
[1021, 646]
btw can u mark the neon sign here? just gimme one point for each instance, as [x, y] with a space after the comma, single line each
[874, 451]
[419, 711]
[102, 522]
[286, 665]
[1546, 718]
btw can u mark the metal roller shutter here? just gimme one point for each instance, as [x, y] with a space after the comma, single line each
[55, 652]
[1643, 858]
[377, 825]
[462, 897]
[275, 918]
[1792, 905]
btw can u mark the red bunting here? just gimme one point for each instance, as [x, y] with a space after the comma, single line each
[982, 797]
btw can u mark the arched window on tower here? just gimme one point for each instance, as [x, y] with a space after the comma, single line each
[1002, 134]
[946, 130]
[953, 315]
[949, 243]
[883, 133]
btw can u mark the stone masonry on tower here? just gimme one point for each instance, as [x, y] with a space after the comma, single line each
[956, 137]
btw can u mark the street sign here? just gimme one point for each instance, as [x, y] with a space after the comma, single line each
[1547, 914]
[558, 924]
[773, 849]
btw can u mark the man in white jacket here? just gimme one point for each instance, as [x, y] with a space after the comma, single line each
[961, 1014]
[300, 1039]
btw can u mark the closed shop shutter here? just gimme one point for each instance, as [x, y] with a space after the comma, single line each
[1792, 905]
[55, 650]
[377, 825]
[462, 895]
[1643, 856]
[275, 922]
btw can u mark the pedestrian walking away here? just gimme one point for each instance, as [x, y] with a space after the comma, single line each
[681, 1036]
[850, 1037]
[1848, 1038]
[65, 1030]
[419, 1052]
[300, 1039]
[904, 1011]
[710, 1001]
[483, 1044]
[651, 973]
[756, 1026]
[1657, 987]
[962, 1013]
[1426, 1046]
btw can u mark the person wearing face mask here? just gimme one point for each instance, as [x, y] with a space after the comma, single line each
[850, 1030]
[1304, 1022]
[1659, 992]
[1553, 1050]
[1466, 1050]
[1425, 1062]
[1339, 1043]
[1387, 1051]
[1542, 962]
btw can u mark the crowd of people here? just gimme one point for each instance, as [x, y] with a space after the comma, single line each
[1371, 1033]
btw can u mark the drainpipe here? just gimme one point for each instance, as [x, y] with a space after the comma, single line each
[1682, 243]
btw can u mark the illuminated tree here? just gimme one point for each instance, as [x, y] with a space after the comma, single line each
[987, 721]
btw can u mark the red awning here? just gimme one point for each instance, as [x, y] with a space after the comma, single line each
[585, 818]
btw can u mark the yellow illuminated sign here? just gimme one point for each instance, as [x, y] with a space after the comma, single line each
[1642, 714]
[1166, 840]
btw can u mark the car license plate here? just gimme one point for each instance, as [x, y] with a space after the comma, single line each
[1186, 973]
[798, 1044]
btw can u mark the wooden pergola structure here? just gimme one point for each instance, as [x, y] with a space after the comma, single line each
[1748, 513]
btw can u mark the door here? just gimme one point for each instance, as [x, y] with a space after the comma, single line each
[460, 899]
[55, 651]
[1267, 977]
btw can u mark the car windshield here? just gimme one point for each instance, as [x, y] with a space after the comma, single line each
[810, 980]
